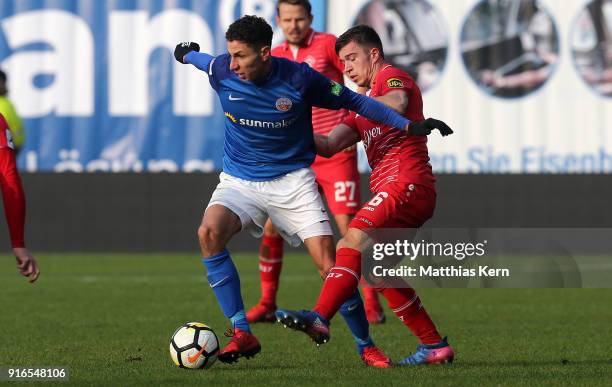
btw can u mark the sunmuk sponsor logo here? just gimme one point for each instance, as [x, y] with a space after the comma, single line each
[266, 124]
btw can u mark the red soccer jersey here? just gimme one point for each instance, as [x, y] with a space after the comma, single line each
[394, 155]
[319, 51]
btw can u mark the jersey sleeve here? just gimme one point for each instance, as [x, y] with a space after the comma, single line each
[200, 60]
[204, 62]
[394, 80]
[322, 92]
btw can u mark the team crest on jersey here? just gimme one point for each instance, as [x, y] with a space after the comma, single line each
[283, 104]
[310, 60]
[395, 83]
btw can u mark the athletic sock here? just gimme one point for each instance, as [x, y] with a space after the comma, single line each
[406, 305]
[370, 294]
[341, 282]
[225, 282]
[270, 265]
[353, 312]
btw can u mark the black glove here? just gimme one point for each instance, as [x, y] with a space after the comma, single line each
[185, 48]
[424, 128]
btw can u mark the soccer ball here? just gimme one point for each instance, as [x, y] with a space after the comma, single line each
[194, 345]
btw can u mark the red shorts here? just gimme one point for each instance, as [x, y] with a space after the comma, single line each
[338, 178]
[397, 205]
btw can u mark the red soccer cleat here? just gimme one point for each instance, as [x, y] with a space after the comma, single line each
[242, 344]
[261, 313]
[374, 357]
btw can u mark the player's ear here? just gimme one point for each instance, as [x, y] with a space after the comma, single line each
[264, 52]
[375, 54]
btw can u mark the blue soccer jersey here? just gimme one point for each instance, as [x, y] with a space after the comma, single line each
[268, 126]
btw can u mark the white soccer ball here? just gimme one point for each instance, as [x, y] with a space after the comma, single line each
[194, 345]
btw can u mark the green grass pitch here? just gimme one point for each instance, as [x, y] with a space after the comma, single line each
[109, 319]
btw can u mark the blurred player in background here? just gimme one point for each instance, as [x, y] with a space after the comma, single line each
[10, 114]
[268, 149]
[14, 203]
[337, 177]
[404, 187]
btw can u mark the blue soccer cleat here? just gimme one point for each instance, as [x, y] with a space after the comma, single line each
[311, 323]
[430, 354]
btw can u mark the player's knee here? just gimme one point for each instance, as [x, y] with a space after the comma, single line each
[353, 239]
[210, 238]
[347, 243]
[325, 269]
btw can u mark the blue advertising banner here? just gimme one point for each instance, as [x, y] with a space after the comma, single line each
[98, 87]
[526, 84]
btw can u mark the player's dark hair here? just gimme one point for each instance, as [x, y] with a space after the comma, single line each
[362, 35]
[2, 76]
[303, 3]
[252, 30]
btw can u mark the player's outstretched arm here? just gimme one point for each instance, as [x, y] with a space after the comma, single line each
[331, 95]
[188, 53]
[340, 138]
[371, 109]
[323, 92]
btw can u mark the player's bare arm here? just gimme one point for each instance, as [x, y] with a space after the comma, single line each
[396, 100]
[340, 138]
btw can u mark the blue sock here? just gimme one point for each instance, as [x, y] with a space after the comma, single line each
[353, 312]
[239, 321]
[225, 282]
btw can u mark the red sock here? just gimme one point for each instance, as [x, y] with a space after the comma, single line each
[270, 265]
[370, 296]
[341, 282]
[407, 306]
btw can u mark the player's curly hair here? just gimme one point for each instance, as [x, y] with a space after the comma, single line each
[252, 30]
[363, 35]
